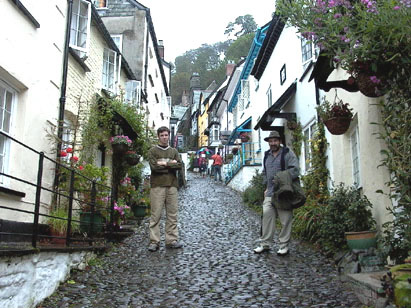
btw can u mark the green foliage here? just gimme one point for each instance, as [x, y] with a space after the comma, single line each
[297, 137]
[327, 110]
[346, 211]
[395, 131]
[351, 31]
[240, 47]
[243, 24]
[59, 221]
[254, 194]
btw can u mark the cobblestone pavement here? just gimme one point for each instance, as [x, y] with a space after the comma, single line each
[216, 268]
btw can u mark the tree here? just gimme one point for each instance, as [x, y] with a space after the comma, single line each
[246, 24]
[240, 47]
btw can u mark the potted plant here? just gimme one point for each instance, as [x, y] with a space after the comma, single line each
[336, 117]
[58, 225]
[347, 219]
[120, 144]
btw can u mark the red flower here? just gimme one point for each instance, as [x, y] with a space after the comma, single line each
[69, 150]
[74, 158]
[63, 154]
[81, 167]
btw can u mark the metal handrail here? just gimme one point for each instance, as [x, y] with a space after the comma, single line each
[35, 236]
[248, 156]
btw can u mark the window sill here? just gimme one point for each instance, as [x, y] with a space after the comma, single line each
[9, 191]
[79, 60]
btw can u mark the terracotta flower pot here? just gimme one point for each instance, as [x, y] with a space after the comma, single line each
[362, 239]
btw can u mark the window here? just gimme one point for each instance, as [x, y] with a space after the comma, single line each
[100, 4]
[283, 75]
[133, 92]
[215, 132]
[355, 149]
[308, 136]
[67, 137]
[118, 40]
[244, 95]
[80, 27]
[269, 96]
[7, 98]
[109, 69]
[306, 51]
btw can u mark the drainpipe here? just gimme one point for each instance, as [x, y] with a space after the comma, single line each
[63, 88]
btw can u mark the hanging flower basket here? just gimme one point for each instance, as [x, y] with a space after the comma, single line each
[132, 158]
[119, 148]
[244, 137]
[370, 86]
[337, 125]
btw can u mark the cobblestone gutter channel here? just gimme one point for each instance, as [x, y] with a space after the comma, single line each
[216, 268]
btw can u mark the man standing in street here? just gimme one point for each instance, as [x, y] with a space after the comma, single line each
[164, 162]
[218, 162]
[272, 166]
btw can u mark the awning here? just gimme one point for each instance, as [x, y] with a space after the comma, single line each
[275, 110]
[244, 127]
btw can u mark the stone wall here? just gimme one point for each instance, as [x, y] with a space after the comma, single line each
[27, 280]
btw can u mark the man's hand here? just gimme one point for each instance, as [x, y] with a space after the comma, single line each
[173, 161]
[161, 163]
[265, 192]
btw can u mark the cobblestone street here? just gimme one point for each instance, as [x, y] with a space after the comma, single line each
[216, 268]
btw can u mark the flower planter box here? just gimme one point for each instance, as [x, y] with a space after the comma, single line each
[85, 222]
[361, 240]
[139, 210]
[337, 126]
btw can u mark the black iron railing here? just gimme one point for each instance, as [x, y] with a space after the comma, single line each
[67, 197]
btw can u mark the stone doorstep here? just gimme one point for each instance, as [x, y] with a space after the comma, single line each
[366, 286]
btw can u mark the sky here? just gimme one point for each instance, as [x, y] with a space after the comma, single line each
[187, 24]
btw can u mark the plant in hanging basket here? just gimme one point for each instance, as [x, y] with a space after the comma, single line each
[132, 158]
[369, 78]
[120, 143]
[336, 117]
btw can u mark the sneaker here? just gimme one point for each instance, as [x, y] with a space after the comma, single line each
[261, 249]
[283, 251]
[175, 245]
[153, 247]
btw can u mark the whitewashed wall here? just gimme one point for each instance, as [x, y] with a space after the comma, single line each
[243, 178]
[31, 64]
[372, 177]
[28, 280]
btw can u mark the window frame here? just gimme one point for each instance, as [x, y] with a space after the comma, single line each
[114, 37]
[355, 160]
[310, 128]
[74, 45]
[98, 7]
[105, 75]
[5, 155]
[304, 52]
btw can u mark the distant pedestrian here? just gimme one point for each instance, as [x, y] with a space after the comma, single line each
[217, 164]
[202, 161]
[273, 166]
[164, 162]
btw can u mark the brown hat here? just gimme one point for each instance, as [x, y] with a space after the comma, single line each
[273, 134]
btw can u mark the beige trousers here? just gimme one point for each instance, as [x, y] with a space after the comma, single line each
[268, 224]
[161, 197]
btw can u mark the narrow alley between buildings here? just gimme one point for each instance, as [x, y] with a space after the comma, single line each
[216, 268]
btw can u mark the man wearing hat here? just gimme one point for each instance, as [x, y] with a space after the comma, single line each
[271, 166]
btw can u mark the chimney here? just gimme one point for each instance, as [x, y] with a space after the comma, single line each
[161, 48]
[195, 81]
[229, 68]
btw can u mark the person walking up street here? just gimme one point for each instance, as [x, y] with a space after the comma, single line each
[164, 162]
[202, 162]
[218, 162]
[272, 166]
